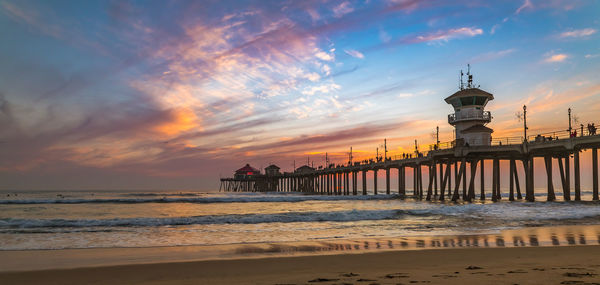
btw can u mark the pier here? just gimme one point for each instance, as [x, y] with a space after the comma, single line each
[453, 167]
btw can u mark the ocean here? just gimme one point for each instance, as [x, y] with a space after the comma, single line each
[31, 220]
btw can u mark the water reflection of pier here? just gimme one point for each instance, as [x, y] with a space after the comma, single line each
[552, 236]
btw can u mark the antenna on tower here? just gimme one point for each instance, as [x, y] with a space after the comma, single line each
[469, 77]
[385, 147]
[460, 81]
[350, 157]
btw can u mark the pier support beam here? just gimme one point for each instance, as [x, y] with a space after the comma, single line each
[464, 180]
[441, 177]
[459, 176]
[375, 181]
[567, 178]
[387, 181]
[445, 181]
[495, 179]
[435, 184]
[432, 180]
[548, 161]
[335, 183]
[450, 178]
[529, 180]
[511, 189]
[354, 180]
[340, 182]
[482, 182]
[595, 174]
[402, 182]
[471, 193]
[577, 176]
[415, 184]
[420, 181]
[347, 184]
[517, 184]
[364, 182]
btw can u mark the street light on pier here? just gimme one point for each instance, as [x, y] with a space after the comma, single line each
[570, 129]
[525, 121]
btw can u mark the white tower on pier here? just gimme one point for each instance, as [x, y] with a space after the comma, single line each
[469, 117]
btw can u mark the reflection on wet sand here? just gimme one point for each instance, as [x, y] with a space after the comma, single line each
[529, 237]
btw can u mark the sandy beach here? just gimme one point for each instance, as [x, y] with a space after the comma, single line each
[531, 265]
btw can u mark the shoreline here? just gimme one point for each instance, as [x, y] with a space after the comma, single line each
[60, 259]
[529, 265]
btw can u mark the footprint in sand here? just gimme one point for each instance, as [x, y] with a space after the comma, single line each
[322, 280]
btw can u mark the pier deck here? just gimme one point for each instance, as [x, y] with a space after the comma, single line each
[343, 180]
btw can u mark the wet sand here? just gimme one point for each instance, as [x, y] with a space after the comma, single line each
[526, 265]
[535, 255]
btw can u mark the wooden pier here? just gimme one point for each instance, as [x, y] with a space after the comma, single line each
[453, 169]
[453, 166]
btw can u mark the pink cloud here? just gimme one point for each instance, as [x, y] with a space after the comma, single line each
[559, 57]
[447, 35]
[526, 5]
[578, 33]
[354, 53]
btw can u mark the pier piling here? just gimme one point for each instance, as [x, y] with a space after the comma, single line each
[577, 176]
[548, 160]
[387, 181]
[595, 174]
[375, 181]
[402, 182]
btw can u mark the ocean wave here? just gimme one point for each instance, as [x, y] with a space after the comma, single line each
[337, 216]
[199, 200]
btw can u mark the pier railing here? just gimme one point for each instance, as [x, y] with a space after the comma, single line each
[579, 131]
[476, 114]
[576, 131]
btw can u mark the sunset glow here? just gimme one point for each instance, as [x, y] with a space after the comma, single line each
[120, 94]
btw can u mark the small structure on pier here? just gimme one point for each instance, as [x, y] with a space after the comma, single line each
[469, 118]
[246, 172]
[304, 169]
[272, 170]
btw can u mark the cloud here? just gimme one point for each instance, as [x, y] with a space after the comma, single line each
[526, 5]
[354, 53]
[341, 137]
[30, 17]
[322, 89]
[447, 35]
[578, 33]
[384, 36]
[324, 56]
[559, 57]
[342, 9]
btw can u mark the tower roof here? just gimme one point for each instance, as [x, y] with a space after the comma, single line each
[477, 129]
[247, 168]
[468, 93]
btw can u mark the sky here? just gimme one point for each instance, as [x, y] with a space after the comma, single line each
[175, 94]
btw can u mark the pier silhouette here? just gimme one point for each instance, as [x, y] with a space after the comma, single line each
[449, 163]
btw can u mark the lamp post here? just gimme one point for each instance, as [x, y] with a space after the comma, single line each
[570, 129]
[525, 122]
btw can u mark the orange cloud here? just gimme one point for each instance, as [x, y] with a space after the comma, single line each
[560, 57]
[182, 120]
